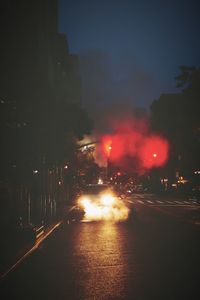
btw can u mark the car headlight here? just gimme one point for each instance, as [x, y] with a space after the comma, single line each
[84, 201]
[107, 200]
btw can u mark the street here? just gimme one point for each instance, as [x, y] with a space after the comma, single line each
[99, 156]
[155, 255]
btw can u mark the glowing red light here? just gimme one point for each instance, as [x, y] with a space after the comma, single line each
[106, 145]
[154, 152]
[117, 147]
[132, 147]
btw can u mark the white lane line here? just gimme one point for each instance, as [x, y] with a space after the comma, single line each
[178, 202]
[130, 201]
[170, 202]
[150, 201]
[159, 201]
[175, 205]
[140, 201]
[186, 202]
[140, 196]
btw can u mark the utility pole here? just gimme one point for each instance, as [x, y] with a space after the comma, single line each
[108, 164]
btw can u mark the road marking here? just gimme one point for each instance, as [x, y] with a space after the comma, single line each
[172, 205]
[140, 196]
[130, 201]
[140, 201]
[159, 201]
[150, 201]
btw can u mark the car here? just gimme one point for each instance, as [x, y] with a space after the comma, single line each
[95, 189]
[91, 191]
[76, 213]
[98, 202]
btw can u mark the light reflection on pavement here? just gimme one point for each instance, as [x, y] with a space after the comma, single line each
[103, 261]
[151, 258]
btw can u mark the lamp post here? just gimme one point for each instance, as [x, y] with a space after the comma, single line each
[107, 167]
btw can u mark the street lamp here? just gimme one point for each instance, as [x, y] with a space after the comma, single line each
[107, 167]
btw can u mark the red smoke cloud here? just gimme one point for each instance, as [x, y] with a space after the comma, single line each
[153, 152]
[134, 141]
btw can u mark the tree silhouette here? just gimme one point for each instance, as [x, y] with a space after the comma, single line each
[177, 117]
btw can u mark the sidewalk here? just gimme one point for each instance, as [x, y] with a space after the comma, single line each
[15, 247]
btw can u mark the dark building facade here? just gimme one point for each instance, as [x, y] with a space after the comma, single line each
[28, 36]
[37, 73]
[68, 81]
[35, 60]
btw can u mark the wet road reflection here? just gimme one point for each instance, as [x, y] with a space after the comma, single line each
[108, 261]
[92, 260]
[101, 252]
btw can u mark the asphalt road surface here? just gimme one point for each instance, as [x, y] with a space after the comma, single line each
[156, 255]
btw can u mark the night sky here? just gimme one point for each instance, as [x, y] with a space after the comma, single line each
[130, 51]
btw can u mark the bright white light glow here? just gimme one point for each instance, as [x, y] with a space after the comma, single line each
[100, 181]
[107, 200]
[106, 207]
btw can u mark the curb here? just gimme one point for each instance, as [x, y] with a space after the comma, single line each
[40, 234]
